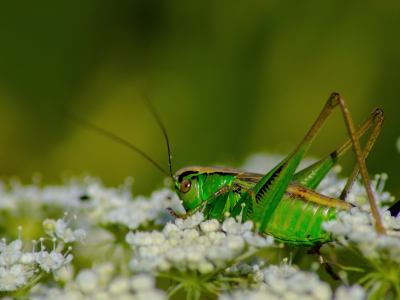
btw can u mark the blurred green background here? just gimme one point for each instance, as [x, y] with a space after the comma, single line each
[228, 78]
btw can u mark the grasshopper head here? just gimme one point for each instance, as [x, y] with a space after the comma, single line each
[187, 187]
[195, 184]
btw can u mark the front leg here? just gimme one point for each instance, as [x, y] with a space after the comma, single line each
[216, 203]
[176, 215]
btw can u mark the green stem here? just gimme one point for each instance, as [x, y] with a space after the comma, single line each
[193, 294]
[32, 282]
[232, 279]
[175, 289]
[365, 278]
[208, 287]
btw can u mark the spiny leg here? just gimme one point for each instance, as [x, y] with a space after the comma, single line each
[269, 190]
[361, 163]
[312, 176]
[367, 149]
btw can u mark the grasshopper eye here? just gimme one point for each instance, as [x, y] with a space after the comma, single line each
[185, 186]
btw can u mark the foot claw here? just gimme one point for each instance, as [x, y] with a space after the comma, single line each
[174, 214]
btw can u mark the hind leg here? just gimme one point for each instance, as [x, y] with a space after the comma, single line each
[312, 176]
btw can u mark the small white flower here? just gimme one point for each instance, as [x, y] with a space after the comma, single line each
[191, 221]
[173, 242]
[235, 243]
[176, 255]
[284, 270]
[205, 267]
[219, 255]
[87, 281]
[142, 282]
[230, 226]
[139, 238]
[257, 240]
[63, 232]
[10, 257]
[247, 226]
[27, 258]
[354, 292]
[66, 274]
[210, 225]
[152, 294]
[158, 237]
[98, 295]
[130, 237]
[172, 230]
[104, 272]
[119, 285]
[80, 234]
[185, 243]
[143, 265]
[322, 291]
[191, 234]
[276, 283]
[193, 256]
[203, 240]
[163, 265]
[338, 229]
[362, 234]
[302, 282]
[15, 245]
[49, 226]
[216, 236]
[149, 252]
[51, 261]
[11, 280]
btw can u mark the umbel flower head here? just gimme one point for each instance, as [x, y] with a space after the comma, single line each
[185, 246]
[194, 246]
[20, 270]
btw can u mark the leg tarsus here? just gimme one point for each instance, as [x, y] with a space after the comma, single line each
[322, 262]
[176, 215]
[330, 271]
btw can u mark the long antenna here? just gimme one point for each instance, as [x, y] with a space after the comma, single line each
[115, 138]
[156, 116]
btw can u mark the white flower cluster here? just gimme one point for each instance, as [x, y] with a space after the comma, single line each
[100, 204]
[354, 292]
[18, 267]
[17, 197]
[101, 283]
[286, 283]
[184, 246]
[141, 210]
[358, 227]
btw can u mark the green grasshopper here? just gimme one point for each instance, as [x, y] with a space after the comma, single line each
[282, 203]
